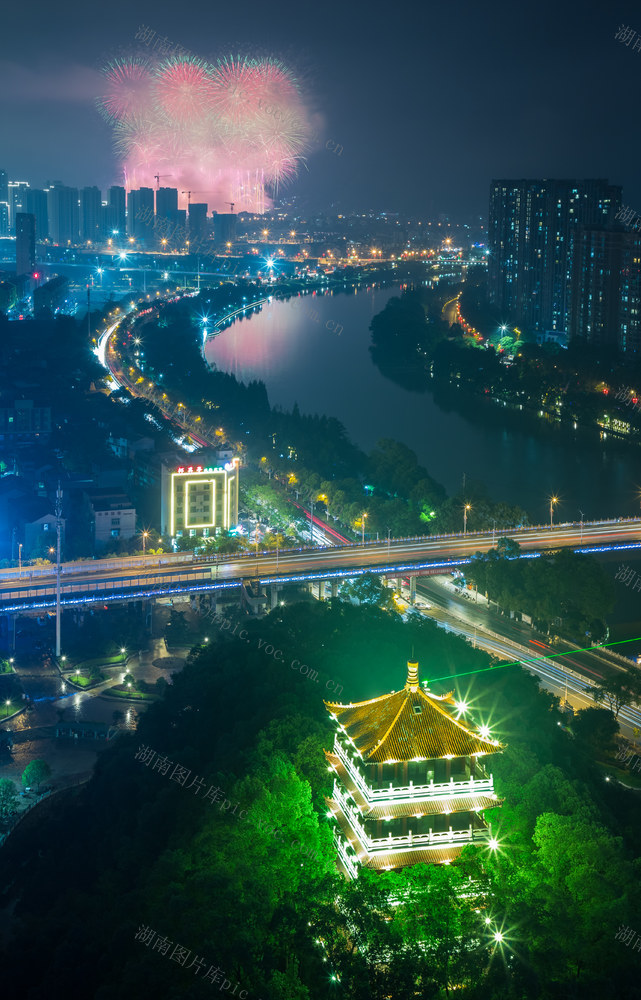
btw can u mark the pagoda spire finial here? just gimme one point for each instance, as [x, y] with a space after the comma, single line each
[411, 684]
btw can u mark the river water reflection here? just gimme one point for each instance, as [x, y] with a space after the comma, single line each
[314, 350]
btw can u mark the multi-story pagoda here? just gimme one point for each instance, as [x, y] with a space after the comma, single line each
[410, 784]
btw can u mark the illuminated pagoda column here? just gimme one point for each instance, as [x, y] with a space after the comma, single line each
[409, 785]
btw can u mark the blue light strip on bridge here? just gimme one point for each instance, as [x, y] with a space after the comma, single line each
[104, 598]
[342, 574]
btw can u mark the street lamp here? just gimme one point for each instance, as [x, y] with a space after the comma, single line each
[553, 500]
[468, 506]
[144, 542]
[7, 703]
[582, 516]
[19, 558]
[363, 516]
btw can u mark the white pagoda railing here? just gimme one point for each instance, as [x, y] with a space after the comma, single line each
[441, 838]
[350, 863]
[408, 792]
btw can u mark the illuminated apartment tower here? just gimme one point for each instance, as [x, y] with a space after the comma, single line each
[410, 786]
[533, 226]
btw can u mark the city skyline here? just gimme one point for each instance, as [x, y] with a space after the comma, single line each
[554, 102]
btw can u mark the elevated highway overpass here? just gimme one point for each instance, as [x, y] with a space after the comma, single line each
[149, 577]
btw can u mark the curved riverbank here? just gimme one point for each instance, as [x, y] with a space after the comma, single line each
[293, 351]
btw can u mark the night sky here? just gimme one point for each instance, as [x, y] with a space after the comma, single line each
[429, 101]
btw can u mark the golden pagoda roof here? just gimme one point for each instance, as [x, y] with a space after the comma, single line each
[411, 724]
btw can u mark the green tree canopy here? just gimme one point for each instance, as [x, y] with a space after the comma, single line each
[35, 773]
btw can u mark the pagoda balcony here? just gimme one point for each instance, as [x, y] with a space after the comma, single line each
[409, 840]
[350, 864]
[379, 796]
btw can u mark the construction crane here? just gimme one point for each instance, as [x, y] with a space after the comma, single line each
[189, 194]
[157, 179]
[231, 205]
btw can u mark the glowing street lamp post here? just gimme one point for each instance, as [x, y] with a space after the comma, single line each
[364, 515]
[58, 513]
[468, 506]
[553, 500]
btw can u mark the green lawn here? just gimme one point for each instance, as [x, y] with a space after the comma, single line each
[121, 692]
[624, 774]
[81, 681]
[99, 661]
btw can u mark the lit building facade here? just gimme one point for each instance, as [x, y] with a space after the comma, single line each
[409, 785]
[63, 214]
[606, 290]
[140, 207]
[25, 243]
[199, 500]
[532, 232]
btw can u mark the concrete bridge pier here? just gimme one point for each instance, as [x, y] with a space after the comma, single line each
[412, 589]
[274, 591]
[334, 588]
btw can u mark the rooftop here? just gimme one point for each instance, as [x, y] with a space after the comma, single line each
[411, 724]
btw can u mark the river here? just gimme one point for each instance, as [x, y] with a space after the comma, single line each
[313, 350]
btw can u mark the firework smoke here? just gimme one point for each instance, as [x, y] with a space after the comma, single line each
[221, 131]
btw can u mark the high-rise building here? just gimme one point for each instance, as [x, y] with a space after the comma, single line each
[532, 231]
[140, 209]
[90, 214]
[4, 218]
[25, 243]
[37, 205]
[197, 223]
[4, 186]
[62, 208]
[166, 215]
[224, 228]
[17, 200]
[115, 216]
[606, 290]
[409, 781]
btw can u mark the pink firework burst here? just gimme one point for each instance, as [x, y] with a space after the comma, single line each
[221, 130]
[182, 88]
[276, 83]
[234, 96]
[128, 88]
